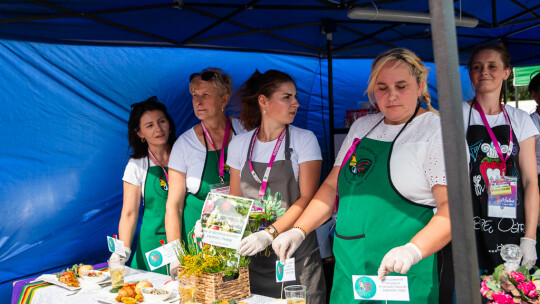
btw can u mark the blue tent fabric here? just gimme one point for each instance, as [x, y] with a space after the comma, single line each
[64, 134]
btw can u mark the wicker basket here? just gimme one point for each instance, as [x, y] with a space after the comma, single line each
[210, 286]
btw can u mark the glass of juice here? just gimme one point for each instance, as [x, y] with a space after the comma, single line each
[116, 269]
[186, 290]
[295, 294]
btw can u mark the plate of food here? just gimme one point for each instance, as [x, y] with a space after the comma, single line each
[134, 293]
[67, 278]
[94, 276]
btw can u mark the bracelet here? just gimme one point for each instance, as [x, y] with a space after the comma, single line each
[301, 230]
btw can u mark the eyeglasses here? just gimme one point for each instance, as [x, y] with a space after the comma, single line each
[204, 75]
[137, 104]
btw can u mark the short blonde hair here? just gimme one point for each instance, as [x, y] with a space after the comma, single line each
[400, 56]
[221, 81]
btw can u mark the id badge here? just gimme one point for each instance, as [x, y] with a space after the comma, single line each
[222, 188]
[502, 197]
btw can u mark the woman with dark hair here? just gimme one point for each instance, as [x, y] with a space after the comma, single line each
[151, 134]
[501, 146]
[199, 155]
[283, 162]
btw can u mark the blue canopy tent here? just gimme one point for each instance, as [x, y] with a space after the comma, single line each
[71, 69]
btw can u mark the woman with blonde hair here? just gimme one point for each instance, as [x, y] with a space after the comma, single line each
[390, 177]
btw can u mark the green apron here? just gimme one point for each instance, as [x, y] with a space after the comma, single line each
[373, 218]
[194, 202]
[153, 221]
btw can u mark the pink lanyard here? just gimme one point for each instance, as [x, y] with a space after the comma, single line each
[492, 135]
[157, 162]
[264, 182]
[350, 152]
[221, 160]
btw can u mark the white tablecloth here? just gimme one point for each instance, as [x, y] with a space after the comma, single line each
[58, 295]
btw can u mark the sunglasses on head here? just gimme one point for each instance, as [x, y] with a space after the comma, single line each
[204, 75]
[151, 99]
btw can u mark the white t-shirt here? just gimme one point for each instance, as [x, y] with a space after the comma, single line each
[522, 124]
[536, 120]
[417, 160]
[135, 172]
[303, 143]
[188, 155]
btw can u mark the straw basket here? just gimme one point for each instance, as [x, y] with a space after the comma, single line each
[209, 287]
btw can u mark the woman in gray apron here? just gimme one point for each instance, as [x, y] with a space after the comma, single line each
[282, 162]
[501, 143]
[390, 177]
[151, 136]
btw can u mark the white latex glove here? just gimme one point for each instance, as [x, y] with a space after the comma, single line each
[115, 256]
[287, 242]
[174, 269]
[528, 248]
[399, 259]
[255, 243]
[198, 230]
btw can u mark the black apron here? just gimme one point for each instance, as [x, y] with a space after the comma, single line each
[491, 232]
[308, 263]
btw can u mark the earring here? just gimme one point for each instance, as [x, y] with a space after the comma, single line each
[222, 110]
[264, 112]
[143, 140]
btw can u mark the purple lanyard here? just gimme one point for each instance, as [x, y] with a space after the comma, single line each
[492, 136]
[264, 182]
[221, 159]
[157, 162]
[350, 152]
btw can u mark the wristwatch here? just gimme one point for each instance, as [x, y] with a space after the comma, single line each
[272, 230]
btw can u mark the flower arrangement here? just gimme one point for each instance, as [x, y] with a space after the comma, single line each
[519, 286]
[198, 259]
[265, 212]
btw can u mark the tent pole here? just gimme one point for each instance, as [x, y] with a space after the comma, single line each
[459, 196]
[329, 48]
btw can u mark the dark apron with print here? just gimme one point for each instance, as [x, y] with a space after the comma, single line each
[491, 232]
[308, 263]
[153, 221]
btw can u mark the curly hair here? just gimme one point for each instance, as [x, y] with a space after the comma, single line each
[140, 149]
[248, 94]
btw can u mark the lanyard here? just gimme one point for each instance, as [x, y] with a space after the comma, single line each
[157, 162]
[492, 135]
[264, 182]
[221, 157]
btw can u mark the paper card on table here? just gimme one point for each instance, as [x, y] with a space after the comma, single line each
[285, 273]
[224, 219]
[162, 255]
[116, 246]
[371, 288]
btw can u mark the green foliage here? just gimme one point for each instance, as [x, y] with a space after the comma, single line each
[74, 269]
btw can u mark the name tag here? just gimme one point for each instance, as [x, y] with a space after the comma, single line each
[371, 288]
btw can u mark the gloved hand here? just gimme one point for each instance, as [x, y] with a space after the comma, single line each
[528, 248]
[255, 243]
[399, 259]
[174, 269]
[115, 256]
[198, 230]
[287, 242]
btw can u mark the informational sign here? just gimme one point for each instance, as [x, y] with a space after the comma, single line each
[224, 219]
[115, 245]
[285, 273]
[162, 255]
[371, 288]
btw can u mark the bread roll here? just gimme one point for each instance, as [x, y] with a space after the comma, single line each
[141, 285]
[84, 268]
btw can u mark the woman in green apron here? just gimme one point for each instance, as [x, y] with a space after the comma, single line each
[198, 158]
[390, 177]
[151, 134]
[281, 161]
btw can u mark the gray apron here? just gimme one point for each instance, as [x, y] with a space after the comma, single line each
[308, 263]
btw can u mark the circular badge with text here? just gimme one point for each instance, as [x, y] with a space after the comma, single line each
[111, 245]
[365, 287]
[155, 258]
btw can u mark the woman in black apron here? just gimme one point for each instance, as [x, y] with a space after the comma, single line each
[390, 173]
[198, 158]
[502, 162]
[284, 161]
[151, 134]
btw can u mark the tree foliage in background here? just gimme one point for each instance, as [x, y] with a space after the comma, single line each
[523, 91]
